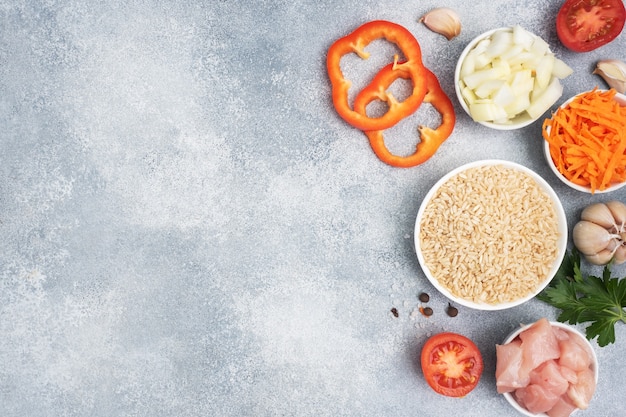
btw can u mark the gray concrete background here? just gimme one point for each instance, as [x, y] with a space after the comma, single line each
[187, 228]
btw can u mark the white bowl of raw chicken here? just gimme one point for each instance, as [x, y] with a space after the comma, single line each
[546, 369]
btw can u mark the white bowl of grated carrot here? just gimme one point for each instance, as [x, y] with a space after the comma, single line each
[585, 143]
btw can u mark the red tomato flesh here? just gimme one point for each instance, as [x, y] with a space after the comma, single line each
[452, 364]
[585, 25]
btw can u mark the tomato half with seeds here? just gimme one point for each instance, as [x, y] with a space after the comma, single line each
[452, 364]
[585, 25]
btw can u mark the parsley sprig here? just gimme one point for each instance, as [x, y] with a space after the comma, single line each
[581, 298]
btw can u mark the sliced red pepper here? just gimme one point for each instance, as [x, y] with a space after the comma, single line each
[430, 139]
[413, 67]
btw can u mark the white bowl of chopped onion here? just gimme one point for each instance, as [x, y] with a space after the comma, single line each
[571, 370]
[490, 234]
[507, 78]
[548, 149]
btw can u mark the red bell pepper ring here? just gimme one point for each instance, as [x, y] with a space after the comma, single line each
[430, 139]
[412, 67]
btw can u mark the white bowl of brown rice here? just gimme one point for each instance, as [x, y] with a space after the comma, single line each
[490, 234]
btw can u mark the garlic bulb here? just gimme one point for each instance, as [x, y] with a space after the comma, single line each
[600, 235]
[613, 72]
[444, 21]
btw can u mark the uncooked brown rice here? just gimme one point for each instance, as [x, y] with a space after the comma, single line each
[489, 234]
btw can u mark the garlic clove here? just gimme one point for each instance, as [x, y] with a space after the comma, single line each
[613, 244]
[590, 238]
[620, 255]
[618, 210]
[601, 258]
[598, 213]
[613, 72]
[444, 21]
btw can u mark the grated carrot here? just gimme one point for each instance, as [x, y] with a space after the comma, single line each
[587, 139]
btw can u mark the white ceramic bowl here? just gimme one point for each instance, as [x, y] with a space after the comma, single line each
[561, 243]
[522, 120]
[621, 98]
[572, 331]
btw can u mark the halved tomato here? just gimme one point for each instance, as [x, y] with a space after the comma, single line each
[452, 364]
[584, 25]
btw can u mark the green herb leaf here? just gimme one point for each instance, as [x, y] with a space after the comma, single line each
[587, 299]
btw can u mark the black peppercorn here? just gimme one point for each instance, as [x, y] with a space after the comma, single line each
[452, 311]
[424, 298]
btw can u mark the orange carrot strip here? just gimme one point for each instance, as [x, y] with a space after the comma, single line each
[612, 163]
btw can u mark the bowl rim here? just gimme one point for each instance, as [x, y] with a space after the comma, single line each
[621, 98]
[524, 119]
[594, 361]
[562, 229]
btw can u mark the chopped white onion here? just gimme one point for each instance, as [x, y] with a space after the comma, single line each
[510, 73]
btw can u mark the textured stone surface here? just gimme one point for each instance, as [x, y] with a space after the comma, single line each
[187, 228]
